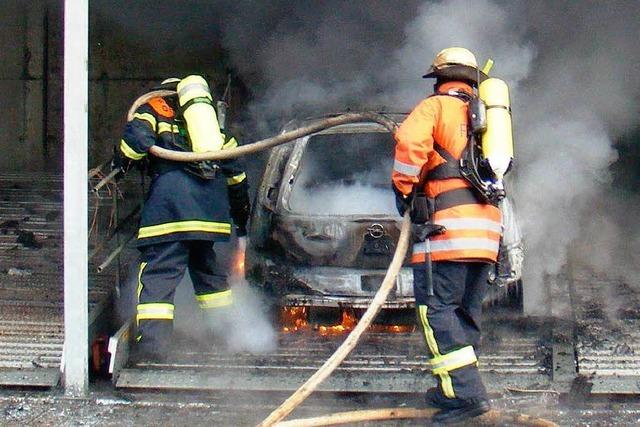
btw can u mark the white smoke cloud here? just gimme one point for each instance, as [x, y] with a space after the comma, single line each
[244, 326]
[356, 199]
[560, 171]
[333, 182]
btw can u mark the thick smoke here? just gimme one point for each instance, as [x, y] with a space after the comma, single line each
[574, 111]
[482, 26]
[306, 60]
[345, 175]
[572, 69]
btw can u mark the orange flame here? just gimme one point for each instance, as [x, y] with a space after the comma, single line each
[349, 322]
[237, 264]
[295, 318]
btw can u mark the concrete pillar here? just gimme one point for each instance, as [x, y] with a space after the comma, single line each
[76, 307]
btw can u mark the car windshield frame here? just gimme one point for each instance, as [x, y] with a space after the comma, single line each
[293, 171]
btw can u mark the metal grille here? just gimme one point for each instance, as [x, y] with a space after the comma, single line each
[607, 333]
[382, 362]
[31, 291]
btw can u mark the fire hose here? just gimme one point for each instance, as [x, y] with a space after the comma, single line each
[381, 295]
[490, 418]
[183, 156]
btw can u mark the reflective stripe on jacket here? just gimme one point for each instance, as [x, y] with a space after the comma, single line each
[473, 228]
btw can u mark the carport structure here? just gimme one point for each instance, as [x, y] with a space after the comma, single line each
[78, 295]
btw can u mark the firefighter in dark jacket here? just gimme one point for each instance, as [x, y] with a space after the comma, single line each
[449, 300]
[189, 207]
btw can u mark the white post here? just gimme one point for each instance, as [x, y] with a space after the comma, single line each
[76, 306]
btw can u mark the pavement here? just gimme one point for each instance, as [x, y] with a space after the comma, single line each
[104, 407]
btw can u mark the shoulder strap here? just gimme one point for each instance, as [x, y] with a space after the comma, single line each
[464, 96]
[451, 167]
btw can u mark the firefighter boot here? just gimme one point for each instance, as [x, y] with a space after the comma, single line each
[465, 409]
[435, 399]
[152, 341]
[140, 354]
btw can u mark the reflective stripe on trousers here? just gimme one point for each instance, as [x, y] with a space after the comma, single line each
[155, 311]
[215, 299]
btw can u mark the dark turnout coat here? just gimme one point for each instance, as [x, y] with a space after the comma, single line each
[182, 203]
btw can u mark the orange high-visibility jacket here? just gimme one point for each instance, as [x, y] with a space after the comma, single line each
[473, 227]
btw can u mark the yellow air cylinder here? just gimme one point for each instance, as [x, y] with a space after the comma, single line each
[497, 140]
[199, 115]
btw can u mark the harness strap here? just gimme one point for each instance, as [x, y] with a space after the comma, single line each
[457, 197]
[196, 100]
[464, 96]
[451, 167]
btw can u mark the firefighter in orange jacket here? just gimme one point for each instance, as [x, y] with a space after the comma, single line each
[429, 145]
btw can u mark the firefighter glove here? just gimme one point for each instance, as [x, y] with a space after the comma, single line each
[240, 207]
[120, 163]
[402, 202]
[420, 209]
[240, 215]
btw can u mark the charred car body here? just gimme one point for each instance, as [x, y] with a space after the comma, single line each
[324, 226]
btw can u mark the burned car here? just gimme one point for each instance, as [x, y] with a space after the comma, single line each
[324, 225]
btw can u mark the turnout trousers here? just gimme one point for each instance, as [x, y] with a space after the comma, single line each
[450, 321]
[162, 267]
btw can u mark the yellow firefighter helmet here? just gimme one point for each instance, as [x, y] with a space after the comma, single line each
[456, 63]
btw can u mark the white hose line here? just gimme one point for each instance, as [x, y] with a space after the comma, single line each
[340, 418]
[491, 418]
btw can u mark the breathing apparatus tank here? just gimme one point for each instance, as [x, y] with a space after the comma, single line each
[196, 104]
[497, 138]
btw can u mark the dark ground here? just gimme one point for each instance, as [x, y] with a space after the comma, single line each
[104, 407]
